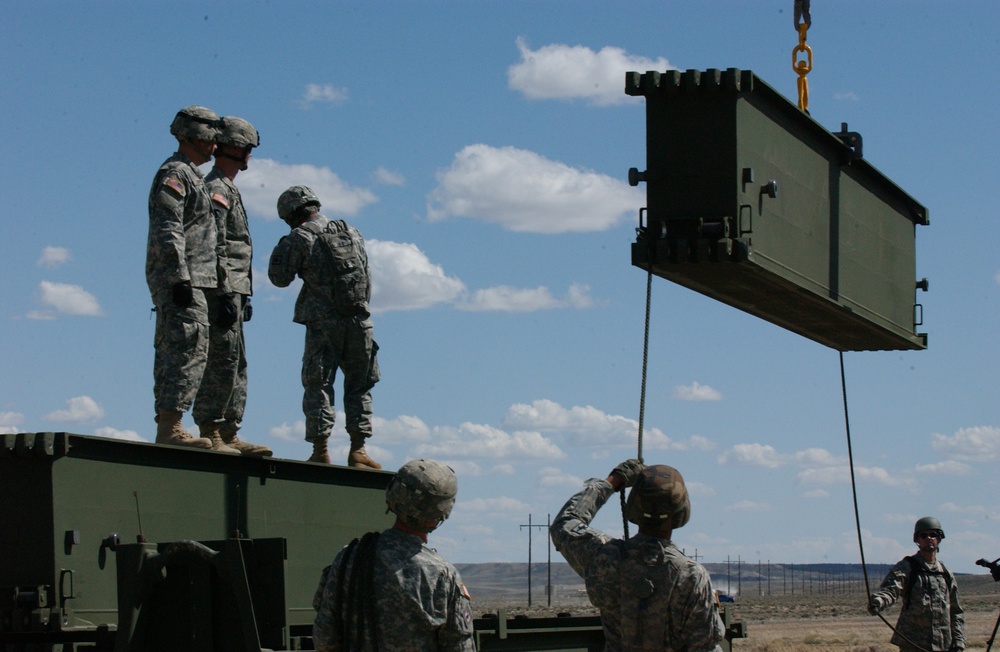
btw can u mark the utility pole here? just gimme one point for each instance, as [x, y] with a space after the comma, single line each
[548, 589]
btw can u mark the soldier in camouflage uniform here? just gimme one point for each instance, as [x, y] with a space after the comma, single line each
[219, 405]
[388, 591]
[931, 617]
[333, 339]
[182, 264]
[651, 596]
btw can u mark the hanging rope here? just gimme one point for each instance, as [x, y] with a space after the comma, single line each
[802, 67]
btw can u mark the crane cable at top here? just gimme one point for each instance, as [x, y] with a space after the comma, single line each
[802, 67]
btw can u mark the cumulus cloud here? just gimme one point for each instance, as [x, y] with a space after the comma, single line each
[947, 467]
[53, 257]
[831, 475]
[67, 300]
[753, 455]
[550, 476]
[322, 94]
[403, 278]
[583, 425]
[113, 433]
[388, 177]
[696, 392]
[295, 431]
[569, 72]
[79, 409]
[977, 444]
[265, 179]
[525, 192]
[508, 299]
[471, 440]
[9, 422]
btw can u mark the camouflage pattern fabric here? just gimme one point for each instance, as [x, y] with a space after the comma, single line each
[181, 350]
[332, 341]
[932, 617]
[420, 602]
[223, 392]
[183, 242]
[651, 596]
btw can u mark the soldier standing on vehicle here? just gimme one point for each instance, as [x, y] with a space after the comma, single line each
[651, 596]
[222, 396]
[389, 591]
[182, 264]
[330, 258]
[931, 617]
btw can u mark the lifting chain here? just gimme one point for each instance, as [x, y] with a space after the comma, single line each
[802, 67]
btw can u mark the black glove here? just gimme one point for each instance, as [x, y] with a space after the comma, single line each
[183, 295]
[247, 309]
[874, 606]
[228, 312]
[629, 471]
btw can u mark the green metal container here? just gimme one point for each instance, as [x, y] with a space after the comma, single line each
[752, 202]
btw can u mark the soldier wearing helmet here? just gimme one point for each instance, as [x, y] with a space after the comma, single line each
[182, 264]
[330, 258]
[389, 590]
[931, 617]
[221, 400]
[651, 596]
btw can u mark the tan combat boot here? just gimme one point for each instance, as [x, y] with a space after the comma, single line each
[320, 454]
[210, 431]
[170, 431]
[358, 458]
[229, 438]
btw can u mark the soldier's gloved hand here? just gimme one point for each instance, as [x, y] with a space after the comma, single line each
[874, 606]
[228, 312]
[183, 295]
[629, 471]
[247, 309]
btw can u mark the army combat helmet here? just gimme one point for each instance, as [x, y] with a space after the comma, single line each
[659, 499]
[196, 123]
[295, 198]
[927, 523]
[238, 133]
[422, 493]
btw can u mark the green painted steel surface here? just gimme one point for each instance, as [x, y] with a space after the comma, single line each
[63, 495]
[752, 202]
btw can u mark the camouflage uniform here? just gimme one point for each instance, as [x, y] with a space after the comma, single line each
[931, 617]
[651, 596]
[419, 600]
[183, 245]
[332, 341]
[223, 391]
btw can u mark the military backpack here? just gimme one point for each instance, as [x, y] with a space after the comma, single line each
[343, 249]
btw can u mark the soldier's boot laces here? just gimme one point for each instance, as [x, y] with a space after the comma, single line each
[231, 439]
[169, 431]
[210, 431]
[319, 454]
[358, 457]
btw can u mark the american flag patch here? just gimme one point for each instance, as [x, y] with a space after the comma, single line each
[174, 184]
[220, 199]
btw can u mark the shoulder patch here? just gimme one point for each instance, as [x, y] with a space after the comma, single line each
[175, 184]
[220, 199]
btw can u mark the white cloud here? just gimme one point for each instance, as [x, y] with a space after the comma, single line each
[947, 467]
[696, 392]
[567, 72]
[9, 422]
[295, 431]
[322, 94]
[472, 440]
[53, 257]
[694, 442]
[508, 299]
[388, 177]
[747, 506]
[977, 444]
[403, 278]
[79, 409]
[584, 425]
[112, 433]
[67, 299]
[550, 476]
[753, 455]
[831, 475]
[265, 179]
[502, 506]
[525, 192]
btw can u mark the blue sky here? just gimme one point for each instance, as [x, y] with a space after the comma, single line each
[482, 149]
